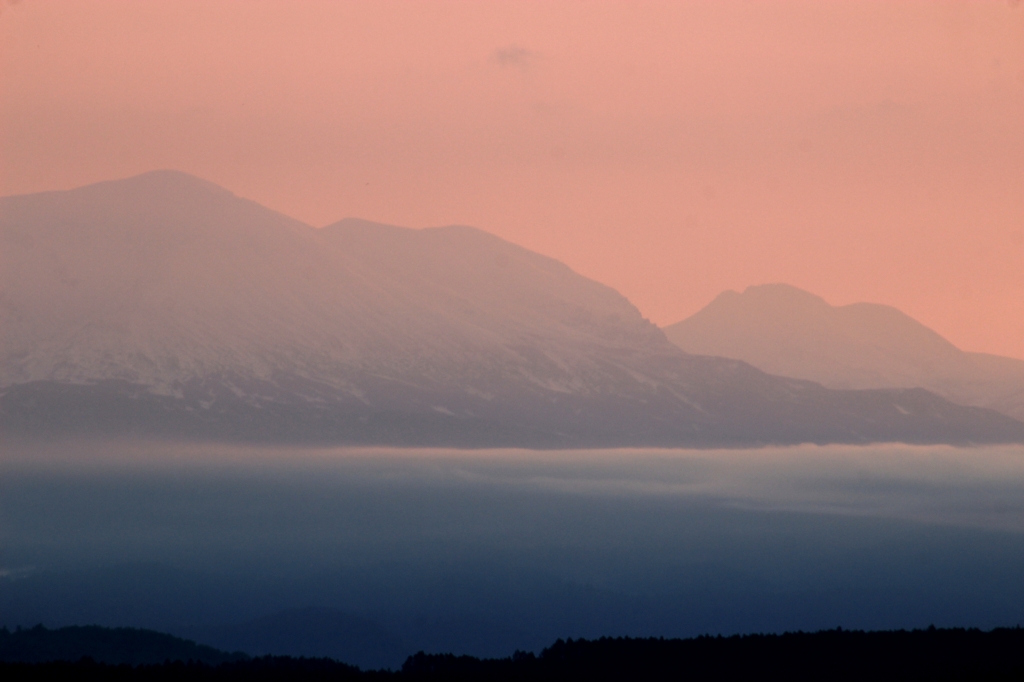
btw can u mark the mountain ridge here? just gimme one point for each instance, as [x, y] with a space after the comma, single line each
[790, 332]
[163, 304]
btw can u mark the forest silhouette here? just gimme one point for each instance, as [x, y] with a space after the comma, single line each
[931, 654]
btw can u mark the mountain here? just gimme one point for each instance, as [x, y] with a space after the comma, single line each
[314, 633]
[164, 305]
[789, 332]
[116, 646]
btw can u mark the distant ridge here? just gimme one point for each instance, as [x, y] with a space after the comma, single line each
[311, 632]
[165, 306]
[786, 331]
[115, 646]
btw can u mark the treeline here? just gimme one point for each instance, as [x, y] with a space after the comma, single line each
[932, 654]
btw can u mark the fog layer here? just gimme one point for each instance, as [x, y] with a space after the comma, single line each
[370, 555]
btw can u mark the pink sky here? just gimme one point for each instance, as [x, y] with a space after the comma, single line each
[865, 151]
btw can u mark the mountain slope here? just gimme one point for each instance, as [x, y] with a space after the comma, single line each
[312, 632]
[115, 646]
[785, 331]
[165, 305]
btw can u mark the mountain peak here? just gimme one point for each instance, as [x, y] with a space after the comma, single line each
[156, 188]
[169, 178]
[774, 306]
[148, 184]
[786, 331]
[358, 228]
[782, 293]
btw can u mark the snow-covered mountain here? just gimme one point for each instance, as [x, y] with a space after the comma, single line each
[786, 331]
[166, 305]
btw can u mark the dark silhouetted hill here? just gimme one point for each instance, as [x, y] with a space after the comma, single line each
[312, 632]
[116, 646]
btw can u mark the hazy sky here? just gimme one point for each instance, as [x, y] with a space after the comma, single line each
[861, 150]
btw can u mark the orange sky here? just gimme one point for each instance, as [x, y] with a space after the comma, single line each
[861, 150]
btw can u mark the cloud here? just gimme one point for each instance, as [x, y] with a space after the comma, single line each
[513, 55]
